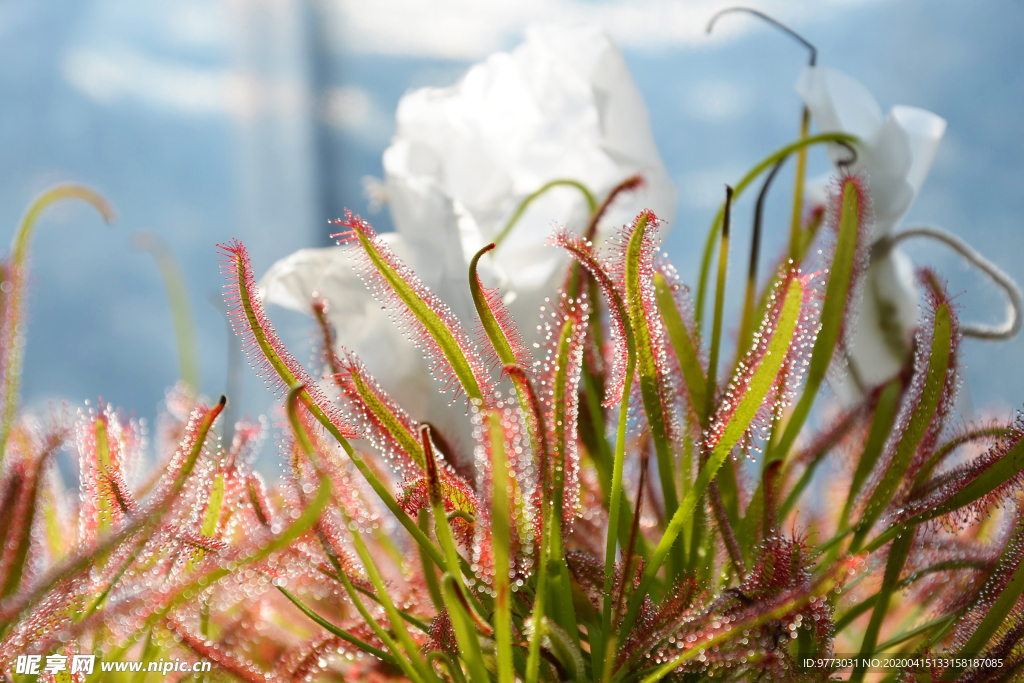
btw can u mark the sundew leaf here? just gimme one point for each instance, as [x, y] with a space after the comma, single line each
[427, 320]
[211, 516]
[918, 424]
[395, 435]
[993, 433]
[617, 390]
[748, 396]
[24, 491]
[224, 659]
[563, 393]
[255, 491]
[564, 326]
[166, 601]
[534, 412]
[460, 502]
[683, 344]
[724, 630]
[683, 599]
[105, 499]
[848, 261]
[1010, 574]
[958, 562]
[273, 362]
[505, 469]
[582, 250]
[786, 331]
[637, 281]
[987, 479]
[388, 427]
[558, 375]
[280, 369]
[510, 351]
[564, 368]
[152, 515]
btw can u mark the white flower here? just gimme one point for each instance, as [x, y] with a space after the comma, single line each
[560, 106]
[895, 152]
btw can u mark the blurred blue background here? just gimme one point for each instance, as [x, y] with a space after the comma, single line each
[205, 120]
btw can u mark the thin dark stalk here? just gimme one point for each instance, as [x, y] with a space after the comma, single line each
[716, 326]
[627, 562]
[747, 320]
[728, 534]
[320, 307]
[771, 20]
[630, 183]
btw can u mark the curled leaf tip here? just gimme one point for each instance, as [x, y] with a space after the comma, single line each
[497, 330]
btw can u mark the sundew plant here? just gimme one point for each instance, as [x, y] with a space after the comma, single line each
[640, 503]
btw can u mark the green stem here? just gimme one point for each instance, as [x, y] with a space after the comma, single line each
[537, 617]
[453, 588]
[344, 635]
[412, 650]
[427, 565]
[523, 205]
[13, 300]
[177, 297]
[616, 500]
[501, 540]
[716, 324]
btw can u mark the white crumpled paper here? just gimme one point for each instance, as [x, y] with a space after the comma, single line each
[561, 105]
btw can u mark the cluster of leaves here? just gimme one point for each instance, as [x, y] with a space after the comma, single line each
[561, 550]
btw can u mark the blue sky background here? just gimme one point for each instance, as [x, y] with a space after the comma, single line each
[207, 120]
